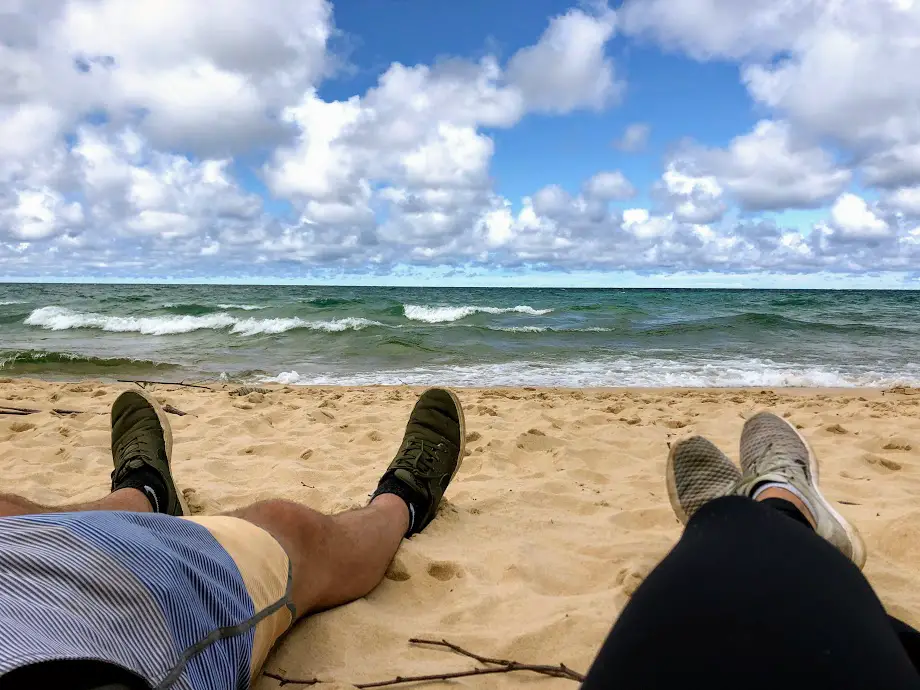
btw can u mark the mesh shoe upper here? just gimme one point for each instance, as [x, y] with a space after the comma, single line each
[772, 450]
[697, 473]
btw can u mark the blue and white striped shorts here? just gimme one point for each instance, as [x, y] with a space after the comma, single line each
[191, 603]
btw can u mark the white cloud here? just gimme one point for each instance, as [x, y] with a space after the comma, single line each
[609, 186]
[769, 170]
[905, 200]
[844, 71]
[200, 89]
[692, 196]
[852, 218]
[38, 214]
[122, 130]
[634, 139]
[568, 68]
[721, 28]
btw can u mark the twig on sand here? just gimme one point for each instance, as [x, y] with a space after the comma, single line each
[6, 409]
[169, 409]
[143, 383]
[558, 671]
[492, 666]
[292, 681]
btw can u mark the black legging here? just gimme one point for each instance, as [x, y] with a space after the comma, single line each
[751, 597]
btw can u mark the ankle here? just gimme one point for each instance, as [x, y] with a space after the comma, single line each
[130, 499]
[396, 490]
[398, 507]
[788, 497]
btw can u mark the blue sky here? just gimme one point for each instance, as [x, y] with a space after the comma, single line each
[462, 143]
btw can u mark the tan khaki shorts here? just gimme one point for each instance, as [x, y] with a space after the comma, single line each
[266, 572]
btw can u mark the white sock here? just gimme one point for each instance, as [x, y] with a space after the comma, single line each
[791, 489]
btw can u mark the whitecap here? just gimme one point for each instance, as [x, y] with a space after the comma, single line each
[248, 327]
[433, 314]
[241, 307]
[626, 371]
[61, 318]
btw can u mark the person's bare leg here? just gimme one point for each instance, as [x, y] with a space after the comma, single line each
[130, 500]
[788, 496]
[334, 558]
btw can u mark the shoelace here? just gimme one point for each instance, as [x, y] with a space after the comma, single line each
[418, 457]
[134, 450]
[770, 460]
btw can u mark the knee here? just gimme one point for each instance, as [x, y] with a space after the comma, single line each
[287, 521]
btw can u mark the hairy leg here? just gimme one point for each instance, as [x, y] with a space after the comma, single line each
[131, 500]
[334, 558]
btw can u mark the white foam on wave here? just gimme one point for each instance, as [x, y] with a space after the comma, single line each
[430, 314]
[10, 302]
[241, 307]
[547, 329]
[629, 371]
[274, 326]
[61, 318]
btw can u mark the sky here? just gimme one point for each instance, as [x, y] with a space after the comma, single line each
[765, 143]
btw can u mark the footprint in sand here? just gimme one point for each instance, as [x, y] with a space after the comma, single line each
[398, 572]
[871, 459]
[444, 570]
[897, 444]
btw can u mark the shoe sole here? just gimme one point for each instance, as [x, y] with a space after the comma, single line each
[462, 420]
[673, 496]
[167, 434]
[859, 546]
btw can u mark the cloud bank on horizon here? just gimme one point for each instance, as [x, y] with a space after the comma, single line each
[285, 138]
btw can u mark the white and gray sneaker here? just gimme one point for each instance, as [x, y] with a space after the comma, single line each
[775, 454]
[698, 472]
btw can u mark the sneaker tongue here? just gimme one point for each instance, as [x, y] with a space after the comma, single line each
[407, 478]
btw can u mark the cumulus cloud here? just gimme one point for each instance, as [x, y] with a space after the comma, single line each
[692, 196]
[165, 69]
[634, 139]
[768, 169]
[609, 186]
[841, 71]
[852, 219]
[905, 200]
[568, 68]
[127, 136]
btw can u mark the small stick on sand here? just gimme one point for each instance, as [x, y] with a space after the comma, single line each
[7, 409]
[142, 383]
[497, 666]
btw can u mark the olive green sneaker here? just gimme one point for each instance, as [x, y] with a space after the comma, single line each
[698, 472]
[429, 457]
[141, 448]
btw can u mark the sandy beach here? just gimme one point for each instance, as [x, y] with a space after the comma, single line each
[557, 514]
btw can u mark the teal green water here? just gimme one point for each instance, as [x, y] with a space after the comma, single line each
[341, 335]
